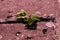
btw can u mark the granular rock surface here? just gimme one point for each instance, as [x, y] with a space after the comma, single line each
[17, 31]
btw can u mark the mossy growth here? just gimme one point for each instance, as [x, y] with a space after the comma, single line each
[32, 19]
[29, 20]
[21, 14]
[35, 17]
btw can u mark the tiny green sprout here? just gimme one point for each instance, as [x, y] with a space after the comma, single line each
[29, 20]
[36, 17]
[21, 14]
[32, 19]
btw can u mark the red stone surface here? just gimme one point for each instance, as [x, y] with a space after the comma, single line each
[8, 31]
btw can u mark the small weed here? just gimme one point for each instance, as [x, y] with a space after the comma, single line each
[21, 14]
[32, 19]
[29, 20]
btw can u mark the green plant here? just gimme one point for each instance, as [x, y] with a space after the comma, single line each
[35, 17]
[32, 19]
[29, 20]
[21, 14]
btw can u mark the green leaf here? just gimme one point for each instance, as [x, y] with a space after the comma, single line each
[21, 14]
[30, 21]
[36, 17]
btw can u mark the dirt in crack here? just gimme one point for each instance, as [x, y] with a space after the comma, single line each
[44, 31]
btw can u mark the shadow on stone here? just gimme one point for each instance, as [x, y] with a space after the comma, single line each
[32, 27]
[28, 38]
[2, 0]
[44, 31]
[21, 20]
[13, 22]
[10, 11]
[47, 19]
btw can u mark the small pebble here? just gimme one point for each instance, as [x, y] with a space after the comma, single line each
[18, 33]
[45, 15]
[51, 14]
[38, 13]
[22, 36]
[22, 9]
[50, 24]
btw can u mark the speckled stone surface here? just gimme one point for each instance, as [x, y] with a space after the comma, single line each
[39, 7]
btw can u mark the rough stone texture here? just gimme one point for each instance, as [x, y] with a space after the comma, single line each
[58, 20]
[40, 7]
